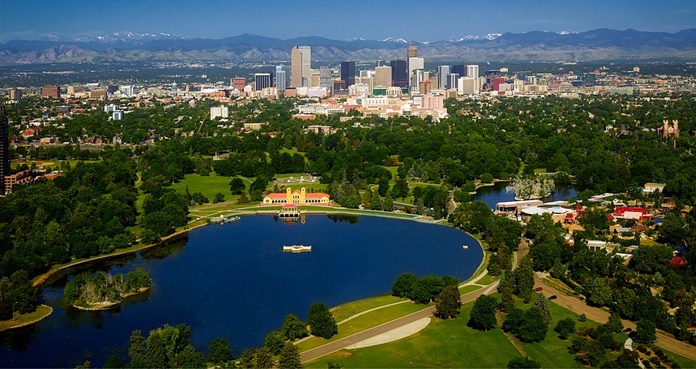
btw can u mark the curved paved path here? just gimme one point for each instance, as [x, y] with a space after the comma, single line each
[578, 306]
[349, 341]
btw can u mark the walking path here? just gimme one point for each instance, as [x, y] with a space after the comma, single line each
[578, 306]
[393, 330]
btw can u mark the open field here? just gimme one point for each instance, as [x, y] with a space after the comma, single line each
[363, 322]
[452, 344]
[207, 185]
[443, 344]
[345, 311]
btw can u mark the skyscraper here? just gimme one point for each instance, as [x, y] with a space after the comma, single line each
[459, 69]
[301, 60]
[325, 78]
[472, 71]
[443, 73]
[412, 52]
[348, 73]
[399, 71]
[414, 64]
[263, 80]
[281, 78]
[383, 76]
[4, 148]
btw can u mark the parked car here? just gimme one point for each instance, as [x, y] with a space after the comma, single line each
[538, 289]
[627, 330]
[553, 297]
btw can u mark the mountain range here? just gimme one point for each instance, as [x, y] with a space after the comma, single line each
[599, 44]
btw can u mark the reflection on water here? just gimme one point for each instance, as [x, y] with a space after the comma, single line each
[165, 249]
[233, 280]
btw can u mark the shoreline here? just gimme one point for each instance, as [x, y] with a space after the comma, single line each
[50, 311]
[41, 279]
[110, 305]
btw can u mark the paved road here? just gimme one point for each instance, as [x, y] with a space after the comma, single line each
[599, 315]
[349, 341]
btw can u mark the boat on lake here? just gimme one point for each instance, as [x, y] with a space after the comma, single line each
[297, 248]
[465, 247]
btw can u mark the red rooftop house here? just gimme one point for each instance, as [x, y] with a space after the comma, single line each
[637, 214]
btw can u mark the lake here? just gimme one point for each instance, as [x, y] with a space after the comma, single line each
[496, 193]
[233, 280]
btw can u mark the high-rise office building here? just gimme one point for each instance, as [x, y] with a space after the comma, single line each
[412, 52]
[301, 60]
[280, 78]
[453, 81]
[383, 76]
[263, 80]
[50, 91]
[326, 79]
[380, 63]
[4, 148]
[400, 75]
[348, 73]
[238, 83]
[15, 94]
[443, 73]
[413, 65]
[472, 71]
[459, 69]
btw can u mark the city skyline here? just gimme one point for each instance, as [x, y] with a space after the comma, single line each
[218, 19]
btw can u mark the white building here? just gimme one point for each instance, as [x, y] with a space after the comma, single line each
[117, 115]
[219, 112]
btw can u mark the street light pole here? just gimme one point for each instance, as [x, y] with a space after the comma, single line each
[355, 341]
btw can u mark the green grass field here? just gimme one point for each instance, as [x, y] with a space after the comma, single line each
[452, 344]
[363, 322]
[467, 289]
[345, 311]
[443, 344]
[207, 185]
[41, 312]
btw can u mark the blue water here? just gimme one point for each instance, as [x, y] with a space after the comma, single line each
[496, 193]
[233, 280]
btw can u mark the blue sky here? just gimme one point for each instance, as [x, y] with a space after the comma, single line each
[417, 20]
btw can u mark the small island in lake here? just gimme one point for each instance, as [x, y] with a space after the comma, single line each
[103, 291]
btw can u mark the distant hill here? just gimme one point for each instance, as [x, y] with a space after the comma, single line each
[599, 44]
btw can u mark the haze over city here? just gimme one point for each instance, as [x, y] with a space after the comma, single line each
[346, 20]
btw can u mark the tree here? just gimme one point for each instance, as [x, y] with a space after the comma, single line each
[494, 265]
[263, 359]
[533, 328]
[289, 357]
[274, 341]
[564, 328]
[293, 328]
[523, 363]
[600, 292]
[136, 351]
[321, 321]
[524, 277]
[448, 302]
[614, 323]
[219, 197]
[542, 304]
[588, 352]
[645, 331]
[426, 289]
[483, 313]
[113, 362]
[404, 285]
[219, 351]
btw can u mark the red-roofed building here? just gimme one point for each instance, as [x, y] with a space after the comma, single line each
[298, 197]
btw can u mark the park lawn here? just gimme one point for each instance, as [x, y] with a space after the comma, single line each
[552, 352]
[343, 312]
[682, 361]
[41, 312]
[442, 344]
[207, 185]
[292, 151]
[363, 322]
[487, 279]
[467, 289]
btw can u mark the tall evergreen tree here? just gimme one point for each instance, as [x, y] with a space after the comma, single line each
[289, 357]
